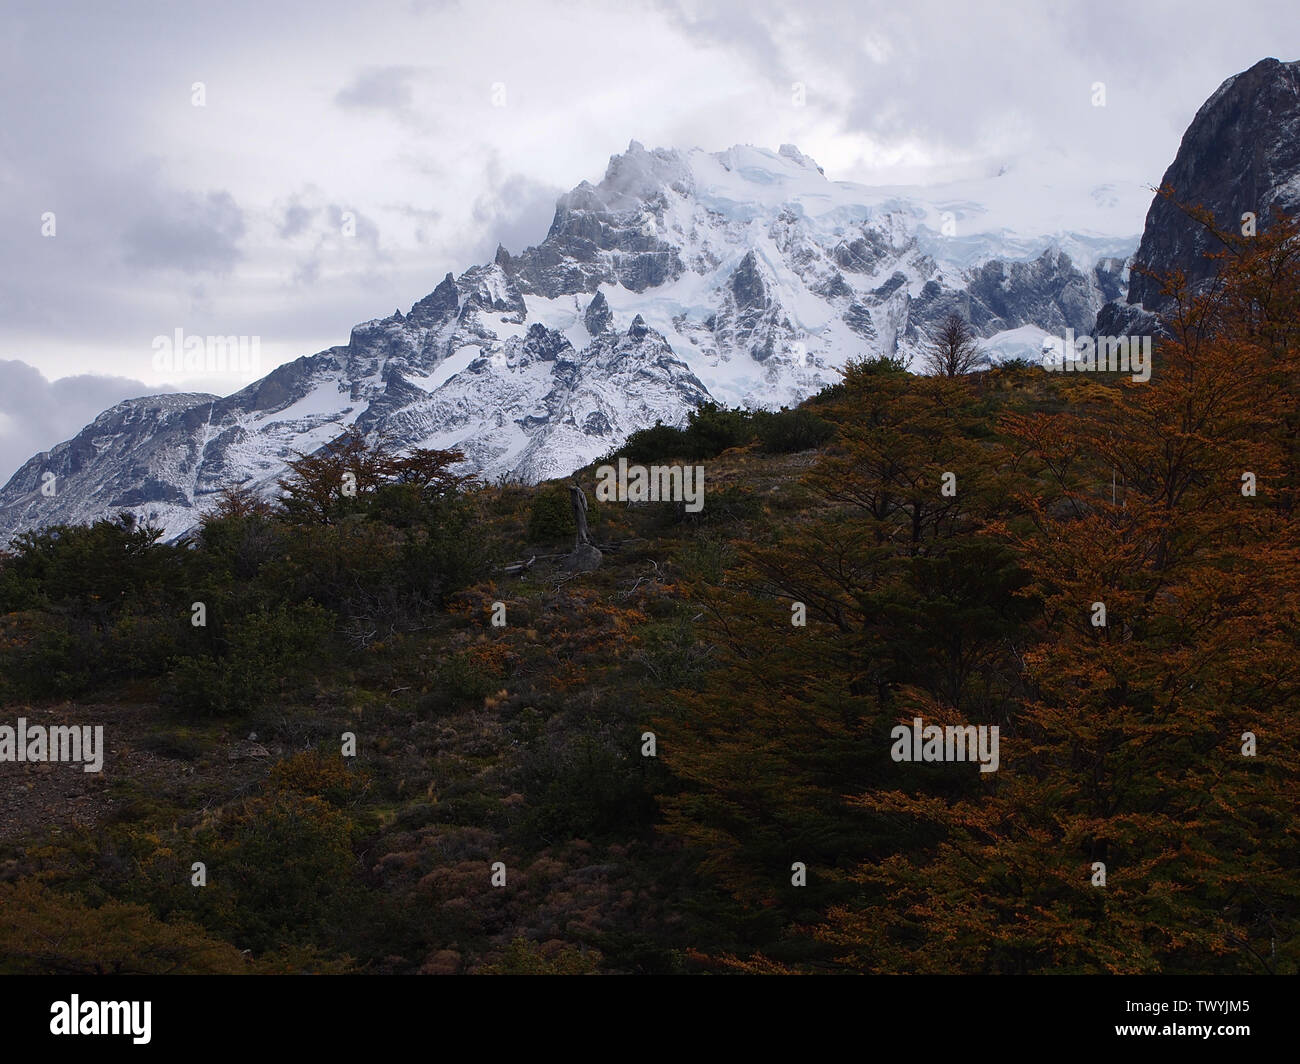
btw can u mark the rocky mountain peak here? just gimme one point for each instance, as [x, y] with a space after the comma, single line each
[1240, 154]
[598, 317]
[439, 305]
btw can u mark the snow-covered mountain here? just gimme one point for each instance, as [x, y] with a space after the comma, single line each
[745, 276]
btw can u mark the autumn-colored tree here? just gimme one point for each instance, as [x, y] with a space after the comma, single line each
[1114, 585]
[340, 476]
[817, 631]
[237, 502]
[1142, 818]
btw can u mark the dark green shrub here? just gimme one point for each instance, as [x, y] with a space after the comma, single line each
[282, 872]
[95, 566]
[1018, 365]
[266, 650]
[787, 431]
[656, 444]
[550, 518]
[40, 657]
[712, 429]
[586, 786]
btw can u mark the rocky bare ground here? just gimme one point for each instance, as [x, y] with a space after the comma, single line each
[145, 758]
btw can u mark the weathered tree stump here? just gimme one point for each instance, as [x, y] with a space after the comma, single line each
[585, 556]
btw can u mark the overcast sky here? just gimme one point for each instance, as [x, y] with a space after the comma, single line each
[442, 128]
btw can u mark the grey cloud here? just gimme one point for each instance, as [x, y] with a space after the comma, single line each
[318, 229]
[307, 272]
[962, 80]
[309, 214]
[380, 89]
[515, 211]
[367, 232]
[296, 219]
[195, 235]
[736, 25]
[331, 239]
[421, 218]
